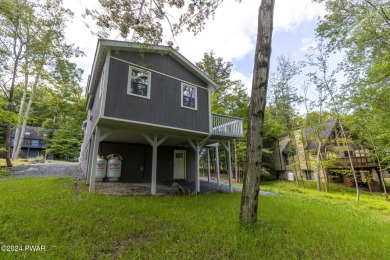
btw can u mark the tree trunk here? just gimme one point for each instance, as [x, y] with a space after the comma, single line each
[294, 144]
[17, 53]
[382, 180]
[325, 172]
[23, 129]
[319, 166]
[251, 183]
[7, 145]
[349, 157]
[20, 116]
[369, 181]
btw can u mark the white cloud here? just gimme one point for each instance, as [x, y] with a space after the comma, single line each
[230, 34]
[246, 79]
[307, 43]
[290, 14]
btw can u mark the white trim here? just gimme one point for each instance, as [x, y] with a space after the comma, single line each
[196, 96]
[107, 71]
[217, 164]
[210, 115]
[192, 144]
[208, 165]
[150, 124]
[102, 81]
[227, 148]
[158, 72]
[93, 159]
[149, 85]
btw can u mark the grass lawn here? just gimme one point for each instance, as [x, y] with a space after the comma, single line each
[15, 163]
[293, 225]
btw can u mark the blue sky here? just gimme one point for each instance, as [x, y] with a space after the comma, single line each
[231, 35]
[288, 43]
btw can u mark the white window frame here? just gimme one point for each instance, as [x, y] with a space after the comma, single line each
[196, 96]
[129, 82]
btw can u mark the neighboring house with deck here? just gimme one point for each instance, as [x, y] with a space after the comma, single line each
[297, 157]
[152, 106]
[33, 144]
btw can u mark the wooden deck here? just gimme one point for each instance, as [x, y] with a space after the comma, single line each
[358, 162]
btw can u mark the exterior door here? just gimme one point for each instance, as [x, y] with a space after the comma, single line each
[179, 164]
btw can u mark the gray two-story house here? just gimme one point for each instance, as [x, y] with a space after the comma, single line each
[152, 106]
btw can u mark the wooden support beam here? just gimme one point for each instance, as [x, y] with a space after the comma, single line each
[192, 144]
[104, 136]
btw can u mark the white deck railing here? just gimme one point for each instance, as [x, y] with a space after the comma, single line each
[227, 126]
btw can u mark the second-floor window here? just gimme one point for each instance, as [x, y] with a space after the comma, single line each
[139, 82]
[189, 96]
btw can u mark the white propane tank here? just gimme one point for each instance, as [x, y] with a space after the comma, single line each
[114, 167]
[290, 176]
[101, 168]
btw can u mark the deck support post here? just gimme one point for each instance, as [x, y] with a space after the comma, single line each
[196, 147]
[217, 164]
[89, 160]
[227, 148]
[155, 143]
[95, 147]
[208, 165]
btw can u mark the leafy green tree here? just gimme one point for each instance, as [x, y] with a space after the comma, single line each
[143, 21]
[361, 29]
[283, 91]
[283, 96]
[229, 98]
[326, 85]
[64, 111]
[45, 42]
[14, 17]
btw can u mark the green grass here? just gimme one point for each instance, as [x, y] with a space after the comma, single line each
[45, 211]
[376, 203]
[14, 163]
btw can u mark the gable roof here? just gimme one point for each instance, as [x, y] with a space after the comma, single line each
[310, 135]
[325, 131]
[31, 132]
[104, 45]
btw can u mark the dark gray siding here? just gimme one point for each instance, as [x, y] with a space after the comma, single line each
[190, 165]
[161, 63]
[164, 106]
[136, 156]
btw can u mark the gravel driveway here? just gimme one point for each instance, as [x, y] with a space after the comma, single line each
[46, 169]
